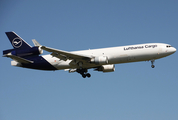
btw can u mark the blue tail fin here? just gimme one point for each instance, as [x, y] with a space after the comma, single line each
[16, 41]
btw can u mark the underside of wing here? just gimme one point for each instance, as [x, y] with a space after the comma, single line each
[64, 55]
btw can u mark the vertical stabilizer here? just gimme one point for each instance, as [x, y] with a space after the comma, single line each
[16, 41]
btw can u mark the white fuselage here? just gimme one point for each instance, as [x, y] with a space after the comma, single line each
[116, 55]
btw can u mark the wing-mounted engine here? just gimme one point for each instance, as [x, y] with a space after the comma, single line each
[24, 52]
[100, 60]
[106, 68]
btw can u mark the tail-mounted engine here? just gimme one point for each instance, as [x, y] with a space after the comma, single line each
[106, 68]
[24, 52]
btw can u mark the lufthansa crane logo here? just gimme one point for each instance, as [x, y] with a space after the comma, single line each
[17, 42]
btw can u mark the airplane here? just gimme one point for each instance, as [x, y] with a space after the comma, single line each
[103, 59]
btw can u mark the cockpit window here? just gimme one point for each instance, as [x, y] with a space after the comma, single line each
[168, 46]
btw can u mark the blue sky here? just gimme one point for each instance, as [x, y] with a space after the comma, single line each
[133, 91]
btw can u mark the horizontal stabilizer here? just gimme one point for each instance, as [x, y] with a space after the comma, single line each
[18, 59]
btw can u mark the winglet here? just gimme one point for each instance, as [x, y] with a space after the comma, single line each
[36, 43]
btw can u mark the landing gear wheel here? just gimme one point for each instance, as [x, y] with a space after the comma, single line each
[88, 75]
[83, 72]
[83, 75]
[152, 66]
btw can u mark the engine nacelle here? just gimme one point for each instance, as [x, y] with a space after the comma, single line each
[100, 60]
[106, 68]
[24, 52]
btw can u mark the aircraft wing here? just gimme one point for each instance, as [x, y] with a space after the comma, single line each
[18, 59]
[64, 55]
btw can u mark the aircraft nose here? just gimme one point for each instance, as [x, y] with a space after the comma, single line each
[174, 50]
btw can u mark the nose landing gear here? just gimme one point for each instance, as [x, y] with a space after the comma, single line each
[152, 63]
[152, 66]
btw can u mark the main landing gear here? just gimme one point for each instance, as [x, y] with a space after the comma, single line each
[84, 73]
[152, 63]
